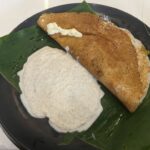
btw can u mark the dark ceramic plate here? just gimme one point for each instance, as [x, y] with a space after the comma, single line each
[35, 134]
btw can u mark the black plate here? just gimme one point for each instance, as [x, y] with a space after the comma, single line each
[35, 134]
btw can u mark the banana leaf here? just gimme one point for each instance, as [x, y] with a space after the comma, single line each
[115, 129]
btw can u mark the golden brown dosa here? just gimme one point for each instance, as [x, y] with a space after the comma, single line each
[108, 52]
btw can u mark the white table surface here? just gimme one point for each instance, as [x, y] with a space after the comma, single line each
[13, 12]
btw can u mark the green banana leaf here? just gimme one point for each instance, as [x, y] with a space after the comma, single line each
[115, 129]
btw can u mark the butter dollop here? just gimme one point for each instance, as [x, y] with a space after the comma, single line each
[53, 28]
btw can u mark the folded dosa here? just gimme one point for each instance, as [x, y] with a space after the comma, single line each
[109, 53]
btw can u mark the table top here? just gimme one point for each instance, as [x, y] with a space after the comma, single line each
[13, 12]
